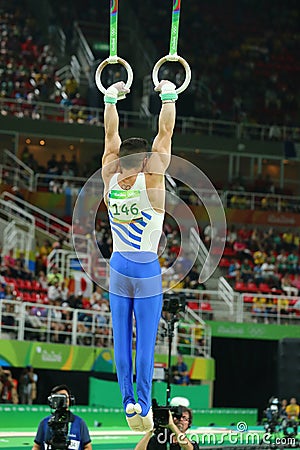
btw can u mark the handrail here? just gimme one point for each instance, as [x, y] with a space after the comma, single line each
[46, 317]
[86, 47]
[46, 222]
[255, 200]
[20, 165]
[11, 211]
[58, 112]
[226, 293]
[78, 181]
[251, 200]
[196, 244]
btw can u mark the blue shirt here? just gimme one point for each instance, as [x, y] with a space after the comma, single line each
[78, 433]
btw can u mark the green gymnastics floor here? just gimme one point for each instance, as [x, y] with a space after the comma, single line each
[223, 428]
[121, 439]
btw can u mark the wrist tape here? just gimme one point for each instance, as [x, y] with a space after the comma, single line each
[111, 95]
[168, 96]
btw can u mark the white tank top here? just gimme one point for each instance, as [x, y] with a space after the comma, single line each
[135, 225]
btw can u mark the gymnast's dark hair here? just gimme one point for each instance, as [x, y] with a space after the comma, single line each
[135, 150]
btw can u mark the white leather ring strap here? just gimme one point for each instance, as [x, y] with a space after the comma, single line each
[116, 60]
[182, 61]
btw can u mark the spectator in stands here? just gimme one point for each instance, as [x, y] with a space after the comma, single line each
[259, 256]
[258, 308]
[293, 409]
[292, 262]
[180, 372]
[54, 276]
[9, 322]
[42, 279]
[73, 165]
[281, 261]
[286, 285]
[240, 247]
[270, 310]
[192, 279]
[53, 165]
[23, 271]
[28, 386]
[296, 282]
[209, 232]
[9, 264]
[234, 270]
[61, 163]
[67, 171]
[96, 295]
[283, 306]
[231, 235]
[246, 271]
[257, 274]
[54, 291]
[268, 272]
[284, 404]
[43, 252]
[287, 240]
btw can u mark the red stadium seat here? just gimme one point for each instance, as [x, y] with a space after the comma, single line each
[264, 288]
[224, 262]
[251, 287]
[240, 286]
[193, 305]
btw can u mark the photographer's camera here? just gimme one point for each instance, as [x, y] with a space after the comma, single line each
[59, 422]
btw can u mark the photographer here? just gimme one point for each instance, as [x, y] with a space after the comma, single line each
[62, 430]
[173, 433]
[8, 392]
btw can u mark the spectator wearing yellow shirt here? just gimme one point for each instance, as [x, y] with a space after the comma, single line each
[287, 239]
[293, 410]
[259, 257]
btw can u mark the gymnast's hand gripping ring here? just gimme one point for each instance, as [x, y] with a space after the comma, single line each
[113, 60]
[173, 58]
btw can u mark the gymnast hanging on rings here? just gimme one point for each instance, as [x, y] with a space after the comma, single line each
[134, 183]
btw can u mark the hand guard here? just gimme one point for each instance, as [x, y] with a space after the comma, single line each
[167, 91]
[115, 92]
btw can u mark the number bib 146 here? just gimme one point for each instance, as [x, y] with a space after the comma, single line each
[124, 206]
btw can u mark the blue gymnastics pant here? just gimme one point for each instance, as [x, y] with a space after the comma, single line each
[135, 288]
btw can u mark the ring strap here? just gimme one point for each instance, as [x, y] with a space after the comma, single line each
[113, 40]
[175, 27]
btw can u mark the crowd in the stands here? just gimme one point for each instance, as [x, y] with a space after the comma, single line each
[262, 264]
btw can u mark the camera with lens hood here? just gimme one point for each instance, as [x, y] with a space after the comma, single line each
[59, 422]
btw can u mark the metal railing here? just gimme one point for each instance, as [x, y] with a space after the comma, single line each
[11, 210]
[61, 183]
[247, 200]
[66, 261]
[64, 325]
[197, 246]
[270, 309]
[45, 222]
[226, 293]
[94, 116]
[266, 201]
[23, 175]
[14, 237]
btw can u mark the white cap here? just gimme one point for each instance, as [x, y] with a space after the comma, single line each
[180, 401]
